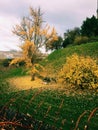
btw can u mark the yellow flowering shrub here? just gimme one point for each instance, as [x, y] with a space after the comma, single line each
[80, 72]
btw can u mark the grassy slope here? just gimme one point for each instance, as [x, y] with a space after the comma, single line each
[54, 107]
[56, 59]
[62, 107]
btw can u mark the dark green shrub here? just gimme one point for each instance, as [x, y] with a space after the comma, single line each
[80, 40]
[93, 39]
[6, 62]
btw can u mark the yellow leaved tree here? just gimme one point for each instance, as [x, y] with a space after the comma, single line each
[33, 35]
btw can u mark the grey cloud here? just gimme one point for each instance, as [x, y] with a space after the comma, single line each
[63, 14]
[14, 8]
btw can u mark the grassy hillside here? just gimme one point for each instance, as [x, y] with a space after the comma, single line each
[52, 108]
[49, 109]
[56, 59]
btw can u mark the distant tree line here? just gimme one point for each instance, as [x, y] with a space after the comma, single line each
[88, 32]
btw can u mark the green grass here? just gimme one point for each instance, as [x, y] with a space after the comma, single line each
[36, 103]
[8, 72]
[56, 59]
[45, 105]
[14, 72]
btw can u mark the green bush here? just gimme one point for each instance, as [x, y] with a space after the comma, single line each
[80, 72]
[80, 40]
[93, 39]
[6, 62]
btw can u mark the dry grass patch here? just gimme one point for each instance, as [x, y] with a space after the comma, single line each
[23, 83]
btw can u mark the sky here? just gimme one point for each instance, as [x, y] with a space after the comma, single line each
[61, 14]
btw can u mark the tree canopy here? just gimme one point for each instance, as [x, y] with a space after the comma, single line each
[57, 44]
[33, 35]
[70, 36]
[90, 27]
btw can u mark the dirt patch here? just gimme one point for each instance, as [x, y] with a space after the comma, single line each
[23, 83]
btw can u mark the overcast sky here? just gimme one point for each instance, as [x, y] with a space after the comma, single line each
[63, 14]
